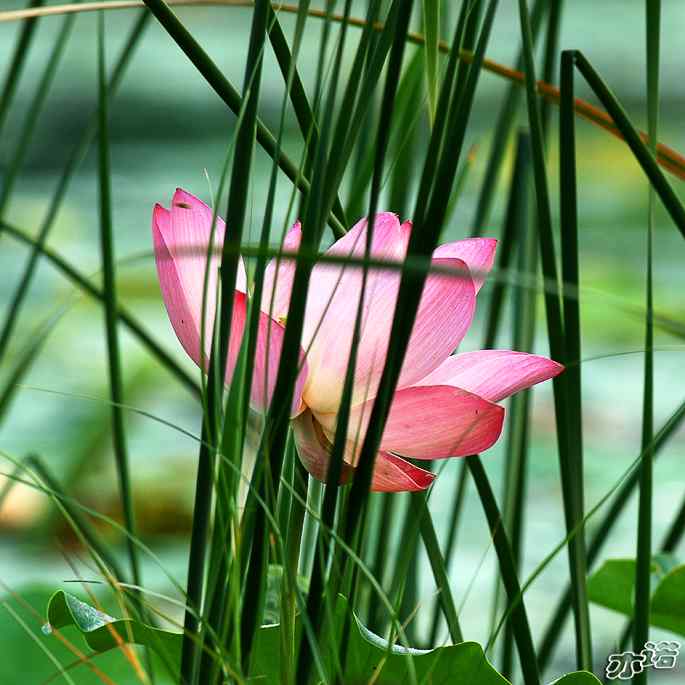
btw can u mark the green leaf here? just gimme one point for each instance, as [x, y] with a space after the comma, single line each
[431, 30]
[28, 656]
[613, 587]
[577, 678]
[368, 653]
[103, 632]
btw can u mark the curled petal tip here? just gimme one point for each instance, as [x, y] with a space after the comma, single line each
[557, 368]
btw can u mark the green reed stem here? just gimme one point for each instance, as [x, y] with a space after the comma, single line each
[110, 305]
[643, 562]
[507, 565]
[440, 572]
[519, 414]
[454, 520]
[640, 151]
[505, 123]
[570, 456]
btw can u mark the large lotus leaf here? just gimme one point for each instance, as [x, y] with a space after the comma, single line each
[613, 586]
[28, 656]
[369, 657]
[103, 632]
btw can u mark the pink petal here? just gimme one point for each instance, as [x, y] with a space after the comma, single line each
[332, 304]
[478, 253]
[391, 473]
[183, 299]
[493, 374]
[278, 276]
[444, 316]
[181, 238]
[394, 474]
[313, 448]
[177, 233]
[429, 422]
[191, 225]
[443, 319]
[270, 336]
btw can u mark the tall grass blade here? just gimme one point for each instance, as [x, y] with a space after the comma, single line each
[315, 602]
[431, 208]
[519, 414]
[643, 563]
[110, 302]
[551, 49]
[570, 459]
[440, 573]
[505, 123]
[507, 565]
[387, 506]
[641, 152]
[296, 91]
[251, 612]
[431, 32]
[454, 519]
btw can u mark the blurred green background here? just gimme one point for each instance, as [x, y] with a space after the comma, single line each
[168, 127]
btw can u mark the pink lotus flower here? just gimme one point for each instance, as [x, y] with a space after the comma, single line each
[445, 404]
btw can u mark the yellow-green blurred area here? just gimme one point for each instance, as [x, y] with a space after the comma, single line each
[169, 129]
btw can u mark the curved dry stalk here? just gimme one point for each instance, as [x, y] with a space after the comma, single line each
[667, 157]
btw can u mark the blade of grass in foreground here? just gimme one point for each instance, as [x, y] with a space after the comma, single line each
[570, 457]
[517, 231]
[253, 602]
[431, 208]
[319, 596]
[505, 122]
[431, 31]
[524, 300]
[110, 302]
[507, 565]
[440, 572]
[643, 562]
[298, 96]
[214, 417]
